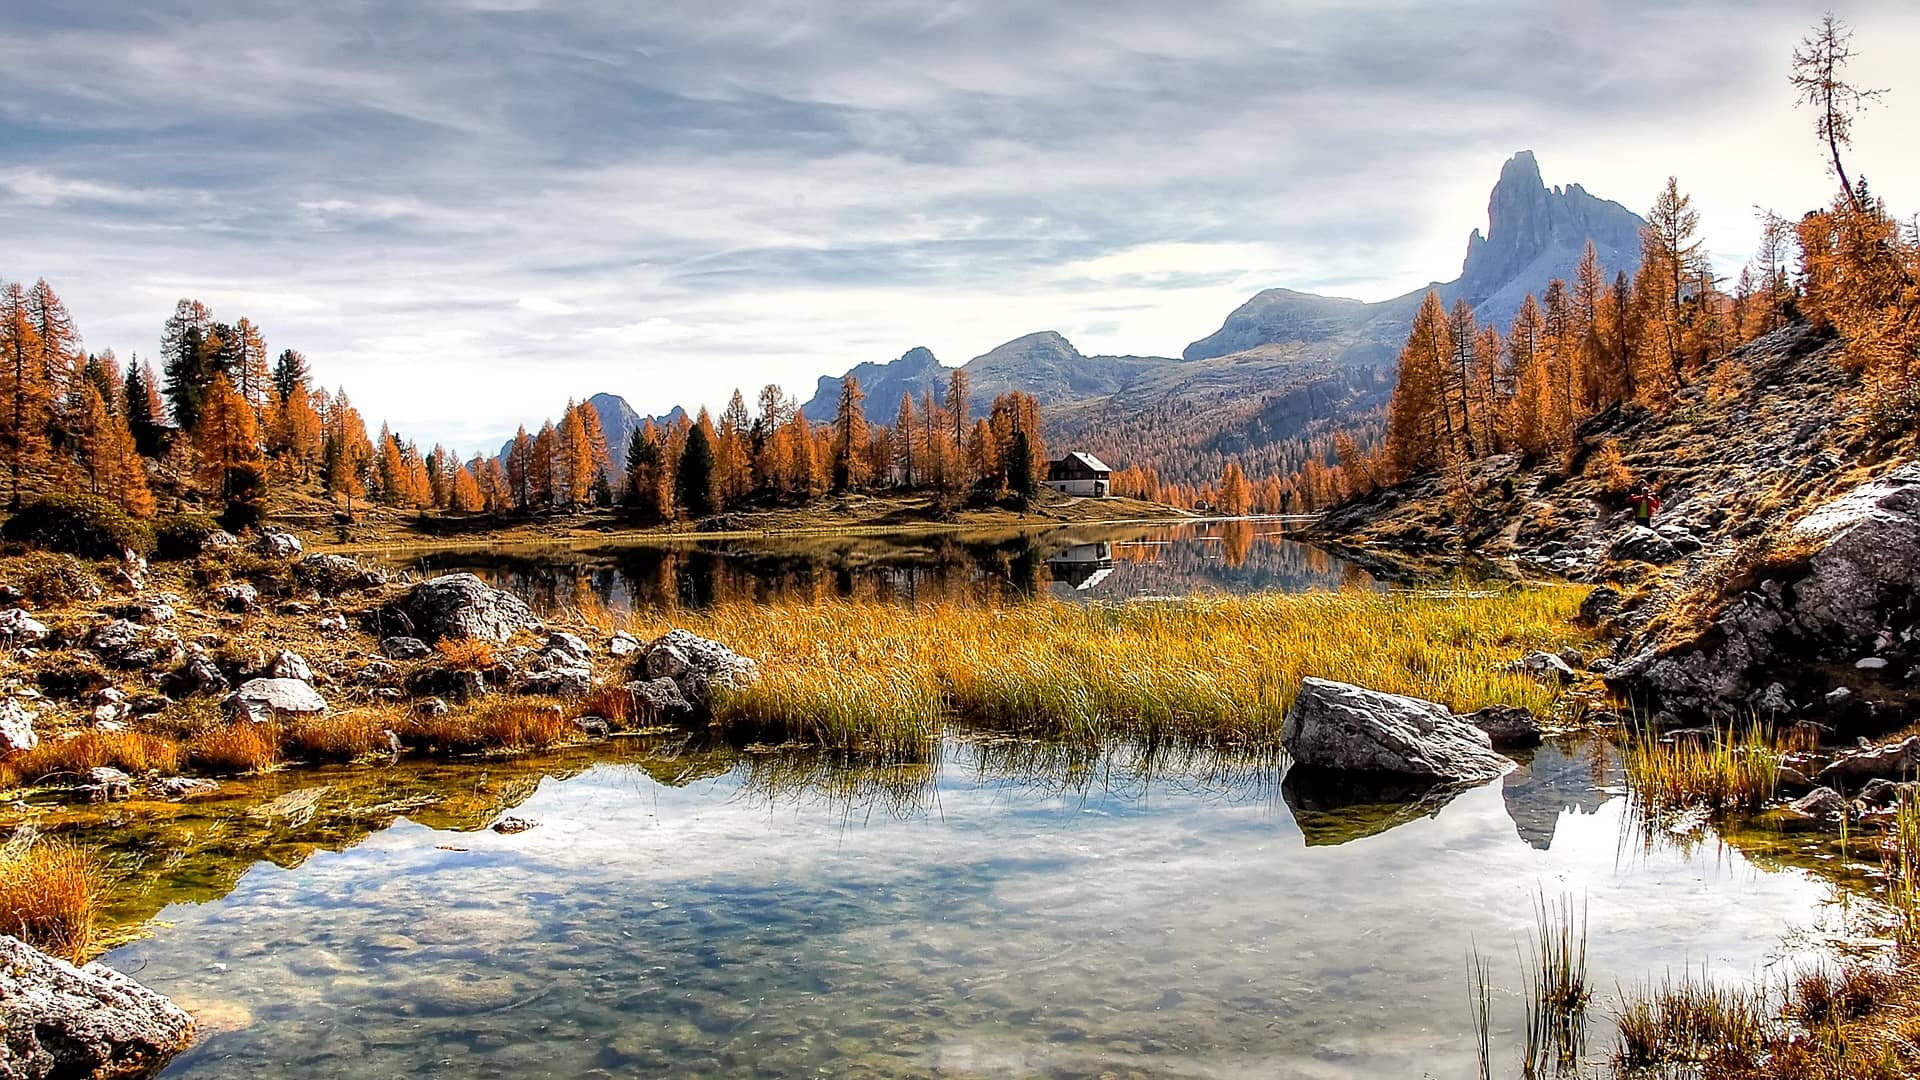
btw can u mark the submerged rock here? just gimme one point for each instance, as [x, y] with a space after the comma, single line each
[463, 606]
[1339, 726]
[104, 783]
[1506, 725]
[263, 700]
[57, 1020]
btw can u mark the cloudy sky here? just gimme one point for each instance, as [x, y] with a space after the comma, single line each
[467, 211]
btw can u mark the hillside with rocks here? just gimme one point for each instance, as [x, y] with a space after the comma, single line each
[1778, 575]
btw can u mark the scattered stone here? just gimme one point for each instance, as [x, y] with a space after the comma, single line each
[126, 645]
[404, 648]
[569, 647]
[1339, 726]
[509, 825]
[375, 672]
[236, 596]
[264, 700]
[454, 684]
[1772, 700]
[104, 783]
[289, 665]
[333, 624]
[1881, 793]
[63, 1021]
[335, 574]
[1602, 604]
[199, 677]
[594, 727]
[278, 545]
[1822, 803]
[219, 540]
[1870, 663]
[431, 707]
[16, 728]
[19, 630]
[1644, 545]
[623, 644]
[1838, 696]
[560, 681]
[463, 606]
[1545, 666]
[185, 787]
[1507, 726]
[1791, 780]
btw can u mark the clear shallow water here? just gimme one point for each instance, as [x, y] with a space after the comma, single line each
[1007, 912]
[1079, 563]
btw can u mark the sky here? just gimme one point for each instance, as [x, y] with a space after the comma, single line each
[467, 212]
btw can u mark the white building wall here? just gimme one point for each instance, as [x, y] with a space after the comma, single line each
[1094, 489]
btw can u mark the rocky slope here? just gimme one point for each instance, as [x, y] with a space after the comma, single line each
[1766, 583]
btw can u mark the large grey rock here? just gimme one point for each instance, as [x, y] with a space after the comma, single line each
[401, 647]
[1858, 582]
[262, 700]
[1506, 725]
[1887, 761]
[463, 606]
[1335, 725]
[289, 665]
[334, 574]
[697, 667]
[123, 644]
[278, 545]
[19, 630]
[16, 728]
[659, 699]
[57, 1020]
[1644, 544]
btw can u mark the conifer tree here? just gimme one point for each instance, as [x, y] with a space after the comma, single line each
[144, 408]
[289, 373]
[693, 481]
[903, 436]
[850, 436]
[346, 453]
[24, 391]
[108, 460]
[1236, 496]
[187, 360]
[228, 443]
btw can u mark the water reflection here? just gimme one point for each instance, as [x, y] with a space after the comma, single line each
[1093, 563]
[1011, 909]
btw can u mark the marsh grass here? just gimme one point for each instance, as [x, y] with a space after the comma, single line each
[238, 747]
[339, 736]
[129, 751]
[1900, 855]
[503, 724]
[1480, 1009]
[1734, 770]
[1693, 1023]
[50, 896]
[1557, 985]
[888, 678]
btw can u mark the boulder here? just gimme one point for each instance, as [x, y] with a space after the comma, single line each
[335, 574]
[1644, 545]
[623, 644]
[1845, 575]
[263, 700]
[57, 1020]
[567, 648]
[19, 630]
[463, 606]
[559, 681]
[185, 787]
[123, 644]
[104, 783]
[1545, 666]
[198, 677]
[457, 685]
[1887, 761]
[236, 596]
[289, 665]
[1339, 726]
[1600, 605]
[401, 647]
[16, 728]
[278, 545]
[1820, 804]
[659, 699]
[1882, 794]
[697, 666]
[1506, 725]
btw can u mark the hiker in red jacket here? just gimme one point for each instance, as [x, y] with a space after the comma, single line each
[1644, 503]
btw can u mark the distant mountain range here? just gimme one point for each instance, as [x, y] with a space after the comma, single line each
[1283, 367]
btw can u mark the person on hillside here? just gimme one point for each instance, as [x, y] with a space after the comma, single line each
[1645, 504]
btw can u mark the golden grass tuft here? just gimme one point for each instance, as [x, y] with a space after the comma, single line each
[50, 897]
[338, 736]
[467, 654]
[238, 747]
[879, 677]
[130, 751]
[1732, 771]
[1689, 1022]
[506, 724]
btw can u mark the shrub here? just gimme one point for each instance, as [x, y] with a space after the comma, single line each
[466, 654]
[50, 896]
[79, 525]
[1608, 469]
[50, 579]
[180, 536]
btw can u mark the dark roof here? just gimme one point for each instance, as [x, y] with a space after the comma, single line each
[1085, 461]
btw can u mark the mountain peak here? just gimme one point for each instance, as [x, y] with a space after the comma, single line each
[1532, 230]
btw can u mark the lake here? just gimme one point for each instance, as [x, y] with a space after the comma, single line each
[1081, 563]
[1009, 909]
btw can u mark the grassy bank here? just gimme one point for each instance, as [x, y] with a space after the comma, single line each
[886, 678]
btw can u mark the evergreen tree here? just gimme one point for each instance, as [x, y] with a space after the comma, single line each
[187, 361]
[24, 392]
[289, 373]
[693, 480]
[144, 409]
[850, 436]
